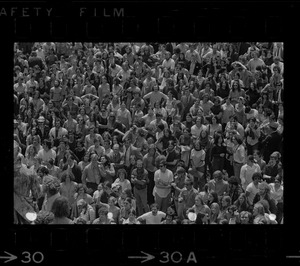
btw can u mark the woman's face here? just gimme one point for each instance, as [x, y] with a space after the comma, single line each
[198, 202]
[166, 133]
[122, 176]
[213, 120]
[86, 158]
[81, 191]
[127, 205]
[197, 146]
[203, 133]
[241, 199]
[188, 118]
[170, 147]
[224, 203]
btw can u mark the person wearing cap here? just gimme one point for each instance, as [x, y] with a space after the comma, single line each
[247, 170]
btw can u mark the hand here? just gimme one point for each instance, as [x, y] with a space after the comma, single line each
[222, 154]
[173, 185]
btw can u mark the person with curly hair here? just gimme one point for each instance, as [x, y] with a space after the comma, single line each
[61, 211]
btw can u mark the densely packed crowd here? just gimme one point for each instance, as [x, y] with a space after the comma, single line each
[155, 133]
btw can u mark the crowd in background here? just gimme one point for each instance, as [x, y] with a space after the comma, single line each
[155, 133]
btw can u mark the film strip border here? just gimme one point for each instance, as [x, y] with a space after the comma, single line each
[129, 20]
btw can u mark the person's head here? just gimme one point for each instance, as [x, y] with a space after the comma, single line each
[102, 212]
[154, 209]
[245, 217]
[94, 158]
[257, 155]
[139, 163]
[217, 175]
[112, 201]
[188, 183]
[258, 209]
[47, 144]
[215, 208]
[81, 189]
[225, 201]
[81, 204]
[213, 196]
[256, 177]
[233, 182]
[198, 200]
[171, 145]
[263, 188]
[218, 138]
[250, 160]
[60, 207]
[163, 166]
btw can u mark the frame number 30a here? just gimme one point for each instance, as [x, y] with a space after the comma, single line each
[36, 257]
[176, 257]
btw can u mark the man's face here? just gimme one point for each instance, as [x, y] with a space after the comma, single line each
[139, 164]
[154, 211]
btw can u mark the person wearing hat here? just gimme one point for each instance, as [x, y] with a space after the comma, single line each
[272, 141]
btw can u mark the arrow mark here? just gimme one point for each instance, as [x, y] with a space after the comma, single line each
[147, 258]
[10, 257]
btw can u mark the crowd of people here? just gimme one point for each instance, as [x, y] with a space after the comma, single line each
[148, 133]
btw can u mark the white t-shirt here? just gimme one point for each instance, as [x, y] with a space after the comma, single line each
[151, 219]
[45, 156]
[253, 190]
[195, 131]
[247, 172]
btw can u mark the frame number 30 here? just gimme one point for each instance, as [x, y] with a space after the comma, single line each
[36, 257]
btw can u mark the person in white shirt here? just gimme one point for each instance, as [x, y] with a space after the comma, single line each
[168, 62]
[198, 127]
[278, 64]
[248, 170]
[162, 189]
[252, 188]
[154, 216]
